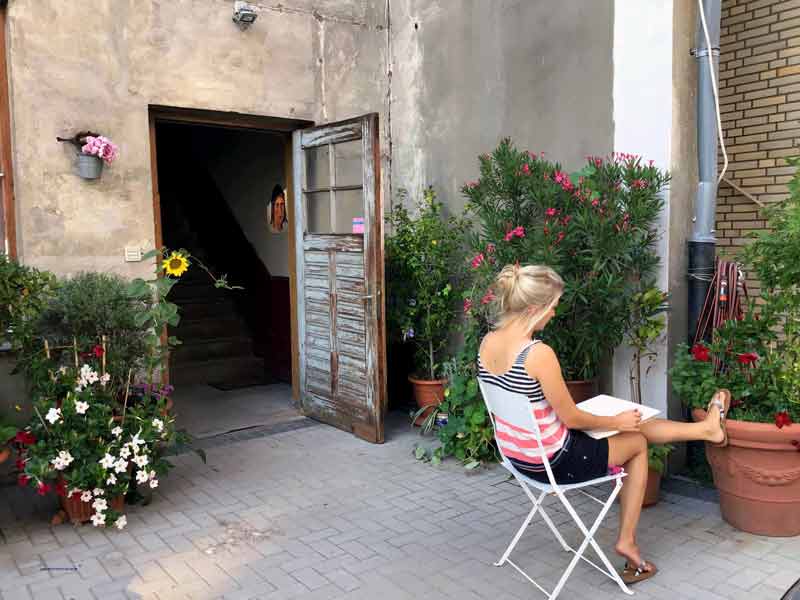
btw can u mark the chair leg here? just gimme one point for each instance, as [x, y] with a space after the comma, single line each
[589, 539]
[525, 523]
[555, 531]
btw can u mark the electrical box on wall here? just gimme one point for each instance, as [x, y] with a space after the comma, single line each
[133, 254]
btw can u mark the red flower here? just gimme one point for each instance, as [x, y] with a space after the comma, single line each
[490, 248]
[488, 297]
[526, 169]
[559, 237]
[747, 358]
[700, 352]
[98, 351]
[595, 203]
[61, 489]
[20, 463]
[551, 212]
[467, 305]
[23, 480]
[639, 184]
[478, 261]
[26, 438]
[782, 418]
[43, 488]
[519, 232]
[565, 221]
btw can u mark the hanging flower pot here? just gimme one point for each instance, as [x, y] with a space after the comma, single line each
[93, 151]
[89, 167]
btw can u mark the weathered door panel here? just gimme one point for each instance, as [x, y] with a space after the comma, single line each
[340, 275]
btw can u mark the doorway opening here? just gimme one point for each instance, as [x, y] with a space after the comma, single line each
[220, 191]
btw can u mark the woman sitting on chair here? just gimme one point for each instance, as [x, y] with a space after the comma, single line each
[513, 359]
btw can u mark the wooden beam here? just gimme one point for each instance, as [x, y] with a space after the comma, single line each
[233, 120]
[7, 207]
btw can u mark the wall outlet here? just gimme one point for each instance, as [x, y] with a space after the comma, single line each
[133, 254]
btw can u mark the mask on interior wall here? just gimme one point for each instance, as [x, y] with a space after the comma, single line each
[278, 220]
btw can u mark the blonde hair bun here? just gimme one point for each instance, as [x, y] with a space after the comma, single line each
[518, 288]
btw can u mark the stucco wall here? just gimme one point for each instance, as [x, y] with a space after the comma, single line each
[462, 73]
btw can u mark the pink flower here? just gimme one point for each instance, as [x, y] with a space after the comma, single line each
[488, 297]
[478, 260]
[565, 221]
[467, 305]
[551, 212]
[519, 232]
[472, 185]
[102, 147]
[595, 203]
[526, 169]
[490, 248]
[546, 176]
[560, 236]
[639, 184]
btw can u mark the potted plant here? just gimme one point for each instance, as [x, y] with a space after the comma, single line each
[93, 151]
[423, 255]
[644, 328]
[757, 358]
[596, 228]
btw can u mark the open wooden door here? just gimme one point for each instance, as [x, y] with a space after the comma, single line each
[339, 263]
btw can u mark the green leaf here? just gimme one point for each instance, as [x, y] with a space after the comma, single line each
[473, 464]
[419, 453]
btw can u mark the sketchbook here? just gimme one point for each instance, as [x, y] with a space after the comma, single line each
[608, 406]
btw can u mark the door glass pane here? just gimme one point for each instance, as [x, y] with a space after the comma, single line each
[318, 212]
[318, 168]
[349, 208]
[348, 163]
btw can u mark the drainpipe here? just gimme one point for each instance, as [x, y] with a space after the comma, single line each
[702, 243]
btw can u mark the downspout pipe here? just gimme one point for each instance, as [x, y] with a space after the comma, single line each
[702, 242]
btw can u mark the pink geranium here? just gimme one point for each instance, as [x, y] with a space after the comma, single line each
[101, 147]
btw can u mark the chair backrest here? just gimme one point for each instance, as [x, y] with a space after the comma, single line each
[513, 408]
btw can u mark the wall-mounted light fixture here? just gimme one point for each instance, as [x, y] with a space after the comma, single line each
[244, 14]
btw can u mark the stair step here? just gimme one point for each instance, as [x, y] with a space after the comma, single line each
[222, 348]
[205, 329]
[206, 309]
[244, 368]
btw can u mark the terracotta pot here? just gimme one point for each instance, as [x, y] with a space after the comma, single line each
[652, 492]
[582, 390]
[79, 511]
[4, 454]
[758, 477]
[427, 393]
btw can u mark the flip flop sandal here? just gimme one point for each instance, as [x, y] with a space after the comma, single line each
[631, 575]
[723, 407]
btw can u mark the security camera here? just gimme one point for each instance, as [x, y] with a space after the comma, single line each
[244, 14]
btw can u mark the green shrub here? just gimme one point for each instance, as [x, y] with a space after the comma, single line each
[24, 292]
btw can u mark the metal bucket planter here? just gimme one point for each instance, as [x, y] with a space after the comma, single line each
[89, 166]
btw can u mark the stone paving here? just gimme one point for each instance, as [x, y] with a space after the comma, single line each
[313, 513]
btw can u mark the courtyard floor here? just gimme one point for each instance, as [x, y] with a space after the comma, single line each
[309, 512]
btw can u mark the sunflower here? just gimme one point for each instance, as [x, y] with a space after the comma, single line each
[175, 264]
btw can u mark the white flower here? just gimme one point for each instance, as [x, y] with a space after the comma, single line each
[53, 415]
[86, 496]
[58, 464]
[78, 389]
[81, 407]
[141, 460]
[152, 474]
[88, 375]
[62, 370]
[98, 519]
[121, 522]
[158, 424]
[99, 492]
[117, 431]
[100, 504]
[111, 479]
[121, 465]
[154, 483]
[136, 441]
[125, 452]
[105, 379]
[65, 457]
[107, 461]
[141, 476]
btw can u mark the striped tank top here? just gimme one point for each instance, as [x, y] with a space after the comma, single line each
[520, 444]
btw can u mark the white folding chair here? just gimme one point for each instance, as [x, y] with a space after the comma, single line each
[515, 409]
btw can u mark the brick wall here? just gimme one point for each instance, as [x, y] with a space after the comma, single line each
[759, 81]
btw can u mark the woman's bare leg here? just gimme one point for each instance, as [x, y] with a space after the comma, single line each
[664, 431]
[629, 450]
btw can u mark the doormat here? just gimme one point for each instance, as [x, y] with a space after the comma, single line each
[229, 386]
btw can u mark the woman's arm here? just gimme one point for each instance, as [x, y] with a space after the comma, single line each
[542, 364]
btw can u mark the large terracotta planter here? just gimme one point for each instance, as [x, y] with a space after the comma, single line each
[79, 511]
[758, 477]
[652, 492]
[427, 393]
[582, 390]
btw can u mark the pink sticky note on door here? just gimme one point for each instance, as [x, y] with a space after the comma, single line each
[358, 224]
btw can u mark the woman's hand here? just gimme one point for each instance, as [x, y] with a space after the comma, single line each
[628, 420]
